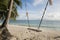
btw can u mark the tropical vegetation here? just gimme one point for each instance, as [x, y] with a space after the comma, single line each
[8, 9]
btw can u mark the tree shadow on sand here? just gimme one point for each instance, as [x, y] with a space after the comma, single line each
[6, 35]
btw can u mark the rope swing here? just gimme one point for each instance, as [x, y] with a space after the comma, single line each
[43, 14]
[37, 30]
[50, 2]
[27, 14]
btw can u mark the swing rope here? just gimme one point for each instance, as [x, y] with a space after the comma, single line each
[26, 5]
[43, 14]
[27, 14]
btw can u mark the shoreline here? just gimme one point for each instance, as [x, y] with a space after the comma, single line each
[48, 28]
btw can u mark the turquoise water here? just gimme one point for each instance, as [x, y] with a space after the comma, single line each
[35, 23]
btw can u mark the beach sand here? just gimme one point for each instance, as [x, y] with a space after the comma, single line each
[22, 33]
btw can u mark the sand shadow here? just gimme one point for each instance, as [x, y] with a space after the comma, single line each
[56, 37]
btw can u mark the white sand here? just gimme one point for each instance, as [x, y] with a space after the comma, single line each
[24, 34]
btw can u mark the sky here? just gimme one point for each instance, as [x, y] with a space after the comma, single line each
[35, 10]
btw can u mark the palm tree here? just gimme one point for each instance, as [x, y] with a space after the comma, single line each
[3, 13]
[5, 31]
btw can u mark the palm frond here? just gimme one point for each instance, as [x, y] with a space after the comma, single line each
[18, 2]
[3, 9]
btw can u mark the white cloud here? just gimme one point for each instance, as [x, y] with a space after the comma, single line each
[37, 16]
[52, 16]
[33, 15]
[36, 2]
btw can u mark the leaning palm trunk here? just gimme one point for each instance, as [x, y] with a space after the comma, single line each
[4, 31]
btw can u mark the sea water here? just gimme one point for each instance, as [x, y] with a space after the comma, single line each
[52, 24]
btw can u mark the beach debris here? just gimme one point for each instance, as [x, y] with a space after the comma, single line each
[28, 39]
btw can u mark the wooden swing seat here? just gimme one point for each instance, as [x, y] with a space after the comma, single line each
[36, 30]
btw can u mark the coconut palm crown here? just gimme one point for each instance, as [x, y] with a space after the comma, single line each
[4, 6]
